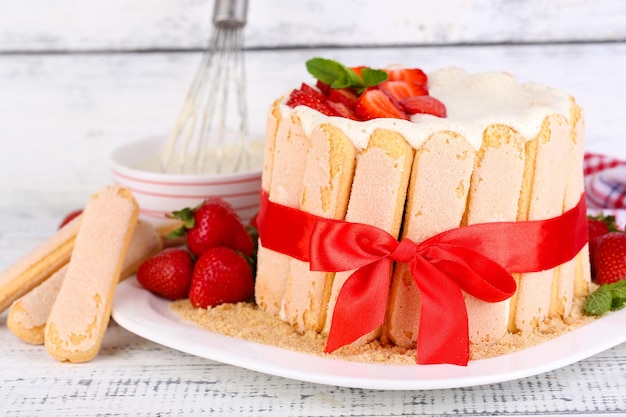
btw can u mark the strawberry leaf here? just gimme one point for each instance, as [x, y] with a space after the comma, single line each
[176, 233]
[188, 222]
[608, 220]
[185, 215]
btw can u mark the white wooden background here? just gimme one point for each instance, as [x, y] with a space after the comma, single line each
[79, 78]
[115, 25]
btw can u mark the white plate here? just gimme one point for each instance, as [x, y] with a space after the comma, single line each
[149, 316]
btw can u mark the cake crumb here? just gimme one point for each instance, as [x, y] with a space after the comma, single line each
[247, 321]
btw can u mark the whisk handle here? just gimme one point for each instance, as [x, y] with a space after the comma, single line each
[230, 13]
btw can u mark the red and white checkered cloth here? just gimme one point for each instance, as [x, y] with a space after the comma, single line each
[605, 185]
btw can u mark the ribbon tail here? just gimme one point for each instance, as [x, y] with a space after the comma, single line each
[361, 304]
[443, 334]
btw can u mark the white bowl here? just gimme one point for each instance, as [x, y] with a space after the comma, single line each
[160, 193]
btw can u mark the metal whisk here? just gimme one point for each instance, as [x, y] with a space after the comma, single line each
[211, 132]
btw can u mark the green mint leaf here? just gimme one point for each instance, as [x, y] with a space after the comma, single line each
[372, 77]
[617, 304]
[618, 289]
[343, 80]
[599, 301]
[355, 79]
[337, 75]
[328, 71]
[607, 297]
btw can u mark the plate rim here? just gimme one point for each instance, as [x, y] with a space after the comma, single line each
[149, 316]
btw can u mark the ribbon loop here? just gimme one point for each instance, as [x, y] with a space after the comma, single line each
[473, 272]
[342, 246]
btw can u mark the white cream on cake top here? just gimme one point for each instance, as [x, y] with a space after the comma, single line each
[473, 102]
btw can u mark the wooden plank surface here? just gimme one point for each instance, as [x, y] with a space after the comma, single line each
[62, 25]
[133, 376]
[62, 115]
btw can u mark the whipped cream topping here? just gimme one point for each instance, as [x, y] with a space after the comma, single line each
[473, 102]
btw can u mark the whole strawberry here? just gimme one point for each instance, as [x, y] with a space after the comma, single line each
[609, 260]
[598, 226]
[69, 217]
[213, 223]
[168, 273]
[221, 275]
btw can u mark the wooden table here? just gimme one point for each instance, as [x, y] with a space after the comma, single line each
[61, 115]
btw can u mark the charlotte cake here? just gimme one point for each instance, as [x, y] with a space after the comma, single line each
[480, 148]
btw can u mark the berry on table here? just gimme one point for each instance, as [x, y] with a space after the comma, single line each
[213, 223]
[221, 275]
[168, 273]
[609, 258]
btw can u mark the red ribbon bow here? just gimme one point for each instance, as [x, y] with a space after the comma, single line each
[477, 259]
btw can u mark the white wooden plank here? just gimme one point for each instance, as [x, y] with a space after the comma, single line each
[60, 25]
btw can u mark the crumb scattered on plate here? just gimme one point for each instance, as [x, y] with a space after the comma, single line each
[247, 321]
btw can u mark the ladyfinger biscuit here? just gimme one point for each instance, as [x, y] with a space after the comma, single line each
[378, 197]
[327, 178]
[287, 171]
[573, 192]
[573, 277]
[542, 197]
[437, 197]
[494, 195]
[32, 269]
[268, 296]
[271, 132]
[81, 311]
[28, 315]
[145, 242]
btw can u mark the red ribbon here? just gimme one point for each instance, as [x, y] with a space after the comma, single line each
[477, 259]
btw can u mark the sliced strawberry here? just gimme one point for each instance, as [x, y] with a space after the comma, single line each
[315, 101]
[424, 104]
[345, 96]
[324, 88]
[374, 104]
[414, 75]
[343, 111]
[310, 90]
[403, 89]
